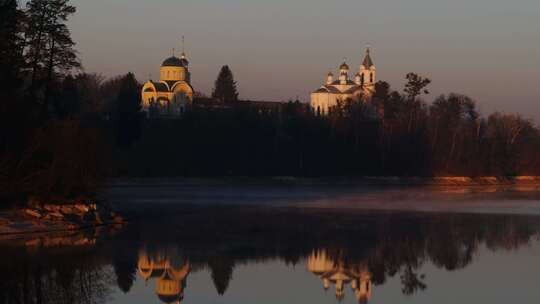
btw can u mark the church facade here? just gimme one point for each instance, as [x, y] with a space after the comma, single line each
[173, 92]
[361, 87]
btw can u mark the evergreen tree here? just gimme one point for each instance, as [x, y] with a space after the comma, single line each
[225, 86]
[128, 111]
[221, 268]
[12, 112]
[125, 269]
[11, 45]
[50, 49]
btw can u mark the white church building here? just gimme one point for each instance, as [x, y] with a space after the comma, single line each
[343, 88]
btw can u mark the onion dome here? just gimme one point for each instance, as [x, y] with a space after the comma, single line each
[184, 60]
[330, 74]
[344, 66]
[174, 62]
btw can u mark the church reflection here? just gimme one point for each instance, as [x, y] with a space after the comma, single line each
[169, 270]
[335, 272]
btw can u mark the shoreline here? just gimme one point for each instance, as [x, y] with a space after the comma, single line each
[41, 218]
[340, 180]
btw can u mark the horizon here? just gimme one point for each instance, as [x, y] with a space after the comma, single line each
[278, 51]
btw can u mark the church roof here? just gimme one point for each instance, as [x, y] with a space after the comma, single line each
[327, 89]
[338, 82]
[367, 60]
[184, 60]
[171, 83]
[321, 90]
[353, 89]
[344, 66]
[174, 62]
[160, 86]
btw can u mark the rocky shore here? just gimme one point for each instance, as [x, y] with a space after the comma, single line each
[40, 217]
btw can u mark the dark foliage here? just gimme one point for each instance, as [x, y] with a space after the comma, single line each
[49, 48]
[225, 86]
[395, 134]
[58, 129]
[49, 156]
[127, 115]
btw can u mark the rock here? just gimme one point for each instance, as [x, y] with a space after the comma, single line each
[99, 220]
[51, 208]
[82, 208]
[56, 215]
[67, 209]
[33, 213]
[34, 202]
[74, 219]
[89, 218]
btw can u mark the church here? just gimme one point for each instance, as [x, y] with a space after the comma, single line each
[336, 272]
[343, 88]
[173, 92]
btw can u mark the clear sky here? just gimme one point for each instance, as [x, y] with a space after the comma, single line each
[280, 49]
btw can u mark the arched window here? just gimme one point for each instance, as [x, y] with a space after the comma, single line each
[371, 78]
[362, 79]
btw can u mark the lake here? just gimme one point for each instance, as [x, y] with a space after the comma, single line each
[223, 243]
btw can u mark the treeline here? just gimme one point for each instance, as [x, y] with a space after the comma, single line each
[394, 134]
[53, 142]
[62, 131]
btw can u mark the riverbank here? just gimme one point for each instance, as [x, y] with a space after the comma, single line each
[40, 217]
[360, 181]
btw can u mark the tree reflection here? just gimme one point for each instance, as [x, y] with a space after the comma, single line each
[346, 251]
[60, 278]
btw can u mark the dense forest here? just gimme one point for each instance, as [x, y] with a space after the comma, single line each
[62, 130]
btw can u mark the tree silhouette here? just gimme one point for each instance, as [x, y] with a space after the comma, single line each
[128, 111]
[125, 269]
[225, 86]
[50, 49]
[11, 45]
[222, 269]
[416, 85]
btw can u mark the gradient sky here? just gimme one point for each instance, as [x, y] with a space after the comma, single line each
[280, 49]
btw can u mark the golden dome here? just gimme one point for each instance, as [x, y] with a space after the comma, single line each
[320, 262]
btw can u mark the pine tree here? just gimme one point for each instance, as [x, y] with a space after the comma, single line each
[13, 115]
[11, 45]
[50, 49]
[225, 86]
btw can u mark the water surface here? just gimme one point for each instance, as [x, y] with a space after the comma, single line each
[290, 249]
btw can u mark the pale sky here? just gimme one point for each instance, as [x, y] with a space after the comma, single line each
[280, 49]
